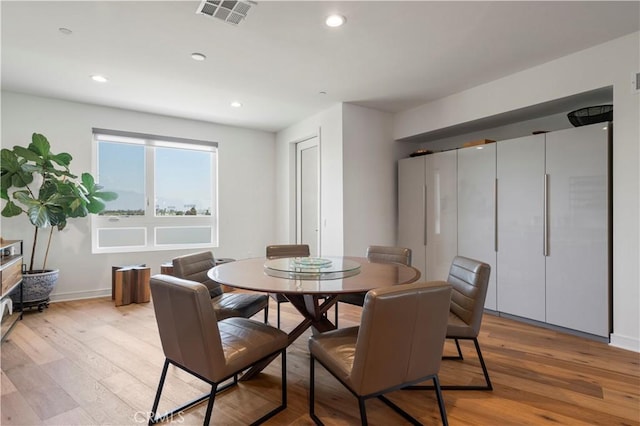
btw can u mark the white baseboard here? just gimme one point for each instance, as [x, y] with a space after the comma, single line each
[625, 342]
[77, 295]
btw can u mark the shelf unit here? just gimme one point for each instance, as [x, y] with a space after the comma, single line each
[11, 278]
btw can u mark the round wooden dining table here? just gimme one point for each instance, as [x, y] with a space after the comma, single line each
[311, 291]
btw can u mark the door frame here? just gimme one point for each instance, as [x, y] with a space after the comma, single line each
[296, 195]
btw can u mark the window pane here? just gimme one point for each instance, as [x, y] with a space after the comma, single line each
[122, 237]
[121, 169]
[183, 182]
[183, 235]
[178, 174]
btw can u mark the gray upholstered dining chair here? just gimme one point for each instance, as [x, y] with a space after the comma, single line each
[374, 358]
[469, 279]
[195, 266]
[379, 254]
[280, 251]
[213, 350]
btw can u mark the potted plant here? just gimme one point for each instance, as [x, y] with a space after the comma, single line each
[39, 184]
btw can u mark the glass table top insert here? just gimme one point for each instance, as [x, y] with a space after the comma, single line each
[312, 268]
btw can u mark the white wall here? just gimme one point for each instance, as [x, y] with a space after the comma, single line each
[246, 181]
[370, 179]
[328, 125]
[358, 163]
[610, 64]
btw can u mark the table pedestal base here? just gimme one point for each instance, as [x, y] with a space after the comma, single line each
[314, 314]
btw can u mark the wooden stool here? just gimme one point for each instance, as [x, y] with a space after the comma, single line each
[131, 285]
[113, 276]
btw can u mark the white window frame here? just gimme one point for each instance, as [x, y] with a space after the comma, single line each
[150, 222]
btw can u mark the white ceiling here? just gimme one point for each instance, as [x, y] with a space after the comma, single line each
[390, 55]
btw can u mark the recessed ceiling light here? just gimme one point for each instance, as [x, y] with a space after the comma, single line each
[99, 78]
[198, 56]
[236, 104]
[335, 20]
[65, 31]
[322, 92]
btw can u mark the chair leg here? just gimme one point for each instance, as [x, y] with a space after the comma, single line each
[278, 310]
[443, 411]
[212, 398]
[487, 387]
[266, 314]
[363, 411]
[484, 367]
[336, 306]
[284, 378]
[155, 418]
[459, 356]
[156, 401]
[283, 405]
[399, 410]
[312, 391]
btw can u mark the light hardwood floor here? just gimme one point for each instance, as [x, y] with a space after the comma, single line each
[87, 362]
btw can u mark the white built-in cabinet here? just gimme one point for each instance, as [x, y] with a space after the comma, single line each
[577, 260]
[520, 273]
[535, 208]
[477, 237]
[428, 218]
[553, 228]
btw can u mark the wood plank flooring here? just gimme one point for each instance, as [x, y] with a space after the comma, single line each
[90, 363]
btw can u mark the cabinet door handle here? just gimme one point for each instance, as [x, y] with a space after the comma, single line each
[424, 206]
[545, 217]
[495, 216]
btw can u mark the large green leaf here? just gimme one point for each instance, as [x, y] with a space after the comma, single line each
[28, 154]
[96, 198]
[39, 216]
[11, 209]
[24, 197]
[63, 159]
[88, 182]
[106, 195]
[40, 145]
[13, 170]
[9, 160]
[95, 206]
[57, 216]
[47, 190]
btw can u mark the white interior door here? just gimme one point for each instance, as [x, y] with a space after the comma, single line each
[308, 195]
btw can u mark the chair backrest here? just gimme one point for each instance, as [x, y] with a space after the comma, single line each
[187, 324]
[287, 250]
[469, 279]
[401, 335]
[194, 267]
[386, 254]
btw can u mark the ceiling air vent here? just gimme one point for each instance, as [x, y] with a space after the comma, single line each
[232, 12]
